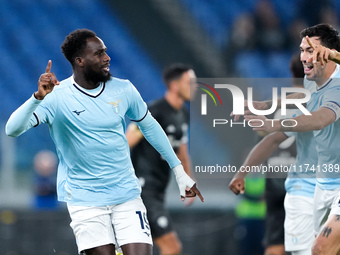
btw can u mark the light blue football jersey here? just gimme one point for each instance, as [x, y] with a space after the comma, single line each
[301, 176]
[88, 129]
[327, 139]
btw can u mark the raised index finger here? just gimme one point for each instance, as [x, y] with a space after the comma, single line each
[49, 66]
[311, 44]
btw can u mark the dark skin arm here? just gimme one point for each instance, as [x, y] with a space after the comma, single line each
[257, 155]
[46, 82]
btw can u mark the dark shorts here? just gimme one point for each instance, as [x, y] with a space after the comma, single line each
[274, 196]
[159, 218]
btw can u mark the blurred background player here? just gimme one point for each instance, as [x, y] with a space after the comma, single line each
[151, 169]
[45, 166]
[251, 212]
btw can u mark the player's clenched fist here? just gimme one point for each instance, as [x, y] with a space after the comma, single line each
[46, 82]
[237, 185]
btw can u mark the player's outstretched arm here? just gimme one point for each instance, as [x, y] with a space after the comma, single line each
[155, 135]
[23, 119]
[256, 156]
[302, 123]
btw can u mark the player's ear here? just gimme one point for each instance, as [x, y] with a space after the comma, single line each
[79, 61]
[173, 85]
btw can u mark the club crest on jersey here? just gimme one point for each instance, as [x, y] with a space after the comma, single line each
[115, 105]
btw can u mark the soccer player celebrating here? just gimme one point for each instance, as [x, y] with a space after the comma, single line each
[299, 186]
[322, 79]
[96, 179]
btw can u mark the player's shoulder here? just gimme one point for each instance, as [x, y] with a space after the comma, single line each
[119, 86]
[333, 86]
[63, 86]
[118, 82]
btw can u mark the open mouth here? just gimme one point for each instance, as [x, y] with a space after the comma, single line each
[106, 68]
[308, 68]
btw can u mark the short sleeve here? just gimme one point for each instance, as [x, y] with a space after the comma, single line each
[137, 108]
[331, 100]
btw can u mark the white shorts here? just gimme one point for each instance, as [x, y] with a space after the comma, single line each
[117, 224]
[298, 225]
[323, 200]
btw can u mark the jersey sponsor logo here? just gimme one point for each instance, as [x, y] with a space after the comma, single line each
[78, 112]
[115, 105]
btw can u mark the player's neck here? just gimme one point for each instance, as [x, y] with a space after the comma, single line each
[84, 83]
[330, 69]
[174, 100]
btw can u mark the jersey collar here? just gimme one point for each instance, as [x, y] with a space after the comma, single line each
[89, 92]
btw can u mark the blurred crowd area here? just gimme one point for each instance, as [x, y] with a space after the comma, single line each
[258, 37]
[270, 33]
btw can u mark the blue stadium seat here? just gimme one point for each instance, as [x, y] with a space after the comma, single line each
[251, 64]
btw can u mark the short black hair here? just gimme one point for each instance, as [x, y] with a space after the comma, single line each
[329, 36]
[174, 72]
[75, 43]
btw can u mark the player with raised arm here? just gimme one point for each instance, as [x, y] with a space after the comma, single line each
[323, 81]
[323, 54]
[299, 184]
[96, 179]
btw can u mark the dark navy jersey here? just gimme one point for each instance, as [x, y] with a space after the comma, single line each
[152, 170]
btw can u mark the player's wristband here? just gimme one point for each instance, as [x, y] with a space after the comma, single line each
[183, 180]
